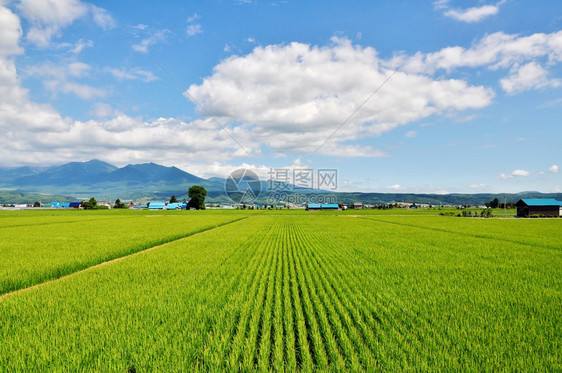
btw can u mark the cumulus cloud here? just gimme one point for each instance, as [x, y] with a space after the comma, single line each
[296, 95]
[102, 17]
[553, 169]
[495, 51]
[475, 14]
[515, 173]
[290, 97]
[48, 17]
[520, 173]
[527, 58]
[526, 77]
[411, 134]
[11, 32]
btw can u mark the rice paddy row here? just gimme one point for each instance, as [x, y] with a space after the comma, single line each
[307, 292]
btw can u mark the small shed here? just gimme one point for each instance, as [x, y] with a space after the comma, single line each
[74, 204]
[357, 205]
[313, 206]
[539, 206]
[157, 205]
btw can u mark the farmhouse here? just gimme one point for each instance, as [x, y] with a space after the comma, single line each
[156, 205]
[74, 204]
[357, 205]
[540, 206]
[322, 206]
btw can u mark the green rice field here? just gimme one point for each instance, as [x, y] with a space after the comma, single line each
[278, 290]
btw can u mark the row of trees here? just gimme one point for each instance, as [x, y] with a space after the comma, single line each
[495, 204]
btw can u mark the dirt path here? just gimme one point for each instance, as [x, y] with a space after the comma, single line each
[15, 292]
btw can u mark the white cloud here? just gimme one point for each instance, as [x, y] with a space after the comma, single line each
[395, 187]
[103, 110]
[515, 173]
[134, 73]
[38, 134]
[498, 50]
[11, 32]
[411, 134]
[526, 77]
[80, 45]
[48, 17]
[520, 173]
[478, 186]
[526, 57]
[193, 18]
[441, 4]
[154, 38]
[57, 79]
[553, 169]
[102, 17]
[474, 14]
[194, 29]
[296, 95]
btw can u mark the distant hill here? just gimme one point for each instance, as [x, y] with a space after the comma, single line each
[104, 180]
[19, 197]
[67, 174]
[151, 181]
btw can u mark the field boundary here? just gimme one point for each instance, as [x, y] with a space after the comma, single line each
[111, 261]
[479, 236]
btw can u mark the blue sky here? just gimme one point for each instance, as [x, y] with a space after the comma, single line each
[437, 96]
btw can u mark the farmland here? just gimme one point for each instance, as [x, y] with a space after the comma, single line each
[278, 290]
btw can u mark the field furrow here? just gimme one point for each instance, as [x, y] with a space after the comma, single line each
[293, 292]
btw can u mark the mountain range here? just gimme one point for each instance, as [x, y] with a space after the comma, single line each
[95, 177]
[151, 181]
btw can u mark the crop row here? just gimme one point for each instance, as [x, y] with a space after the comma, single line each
[310, 292]
[39, 251]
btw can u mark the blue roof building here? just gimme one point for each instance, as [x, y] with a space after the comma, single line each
[173, 206]
[322, 206]
[156, 205]
[539, 206]
[74, 204]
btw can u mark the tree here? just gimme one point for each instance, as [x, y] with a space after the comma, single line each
[173, 199]
[91, 204]
[119, 204]
[197, 196]
[37, 204]
[495, 203]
